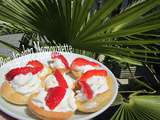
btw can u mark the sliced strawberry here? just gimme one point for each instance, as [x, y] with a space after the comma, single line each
[12, 73]
[86, 89]
[83, 81]
[61, 80]
[25, 70]
[37, 66]
[81, 62]
[16, 71]
[91, 73]
[61, 57]
[54, 96]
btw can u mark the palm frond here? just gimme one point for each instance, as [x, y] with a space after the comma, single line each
[6, 28]
[97, 31]
[118, 22]
[144, 107]
[118, 101]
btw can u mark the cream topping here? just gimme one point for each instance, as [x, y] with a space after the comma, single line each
[44, 72]
[51, 81]
[68, 103]
[57, 63]
[80, 95]
[70, 81]
[26, 84]
[98, 85]
[84, 68]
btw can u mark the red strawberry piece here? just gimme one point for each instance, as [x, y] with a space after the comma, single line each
[16, 71]
[36, 65]
[54, 96]
[91, 73]
[12, 73]
[82, 61]
[83, 81]
[86, 89]
[61, 57]
[25, 70]
[61, 80]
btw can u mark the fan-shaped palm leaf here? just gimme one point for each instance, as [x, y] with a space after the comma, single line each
[6, 28]
[73, 22]
[139, 108]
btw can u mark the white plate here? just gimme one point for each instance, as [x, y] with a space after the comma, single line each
[21, 112]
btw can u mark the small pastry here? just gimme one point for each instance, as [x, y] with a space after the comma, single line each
[20, 83]
[59, 62]
[81, 65]
[44, 70]
[57, 103]
[58, 78]
[95, 91]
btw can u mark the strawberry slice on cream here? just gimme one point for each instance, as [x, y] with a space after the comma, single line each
[54, 96]
[56, 99]
[24, 80]
[42, 70]
[17, 71]
[59, 79]
[36, 65]
[58, 61]
[32, 66]
[83, 65]
[92, 83]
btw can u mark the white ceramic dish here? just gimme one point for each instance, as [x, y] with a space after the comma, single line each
[21, 112]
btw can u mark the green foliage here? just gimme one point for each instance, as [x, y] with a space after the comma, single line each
[73, 22]
[139, 108]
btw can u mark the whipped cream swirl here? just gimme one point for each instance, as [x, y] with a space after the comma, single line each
[67, 103]
[57, 63]
[51, 81]
[70, 81]
[84, 68]
[26, 84]
[98, 85]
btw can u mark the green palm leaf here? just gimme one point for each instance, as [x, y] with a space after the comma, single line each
[139, 108]
[123, 19]
[73, 22]
[6, 28]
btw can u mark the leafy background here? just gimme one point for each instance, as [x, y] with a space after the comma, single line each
[126, 32]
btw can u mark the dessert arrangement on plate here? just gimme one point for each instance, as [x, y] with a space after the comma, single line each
[58, 88]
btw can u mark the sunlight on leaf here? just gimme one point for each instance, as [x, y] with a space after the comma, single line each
[139, 108]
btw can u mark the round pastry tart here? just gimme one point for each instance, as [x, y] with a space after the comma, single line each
[56, 103]
[59, 62]
[21, 82]
[95, 90]
[57, 86]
